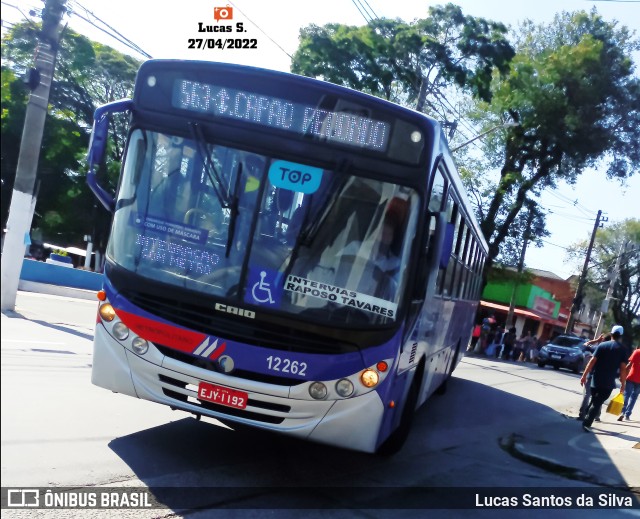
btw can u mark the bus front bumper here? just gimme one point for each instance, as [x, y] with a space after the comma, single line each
[351, 423]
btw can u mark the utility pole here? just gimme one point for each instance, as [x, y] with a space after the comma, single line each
[512, 303]
[612, 284]
[22, 199]
[577, 300]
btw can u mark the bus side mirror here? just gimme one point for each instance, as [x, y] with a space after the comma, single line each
[98, 146]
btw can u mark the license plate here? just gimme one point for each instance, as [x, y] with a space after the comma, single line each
[556, 357]
[222, 395]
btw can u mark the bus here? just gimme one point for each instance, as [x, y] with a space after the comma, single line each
[285, 254]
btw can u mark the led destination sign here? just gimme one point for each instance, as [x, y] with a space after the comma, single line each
[273, 112]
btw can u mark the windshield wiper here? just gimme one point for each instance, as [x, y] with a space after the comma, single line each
[226, 202]
[233, 208]
[312, 222]
[310, 226]
[209, 166]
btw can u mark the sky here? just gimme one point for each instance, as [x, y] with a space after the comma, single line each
[163, 29]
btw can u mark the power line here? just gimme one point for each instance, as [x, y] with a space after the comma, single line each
[574, 203]
[580, 219]
[553, 209]
[555, 244]
[109, 31]
[27, 19]
[370, 8]
[362, 9]
[260, 29]
[367, 18]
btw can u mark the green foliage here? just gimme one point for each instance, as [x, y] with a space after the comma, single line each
[88, 74]
[572, 90]
[391, 58]
[620, 240]
[500, 273]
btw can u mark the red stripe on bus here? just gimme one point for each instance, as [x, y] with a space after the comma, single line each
[160, 333]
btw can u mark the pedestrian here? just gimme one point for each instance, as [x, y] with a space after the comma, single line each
[508, 341]
[527, 343]
[489, 341]
[586, 391]
[497, 340]
[535, 348]
[518, 348]
[607, 359]
[488, 331]
[475, 336]
[633, 385]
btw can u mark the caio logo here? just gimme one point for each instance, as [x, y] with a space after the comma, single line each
[223, 13]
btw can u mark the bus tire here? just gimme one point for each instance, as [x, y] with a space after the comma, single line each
[396, 440]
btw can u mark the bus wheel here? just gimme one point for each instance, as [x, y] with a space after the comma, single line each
[397, 439]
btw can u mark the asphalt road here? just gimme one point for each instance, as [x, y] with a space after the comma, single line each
[500, 425]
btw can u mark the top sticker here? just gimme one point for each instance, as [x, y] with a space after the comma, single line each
[295, 177]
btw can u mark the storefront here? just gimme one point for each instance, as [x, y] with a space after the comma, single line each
[535, 309]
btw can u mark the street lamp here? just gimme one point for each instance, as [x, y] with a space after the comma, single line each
[505, 125]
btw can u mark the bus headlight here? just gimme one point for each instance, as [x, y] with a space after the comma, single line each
[120, 331]
[344, 387]
[107, 313]
[369, 378]
[139, 345]
[318, 390]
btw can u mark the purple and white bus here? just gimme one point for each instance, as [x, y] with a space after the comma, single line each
[285, 253]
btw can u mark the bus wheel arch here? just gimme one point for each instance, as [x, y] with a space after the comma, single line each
[396, 440]
[442, 388]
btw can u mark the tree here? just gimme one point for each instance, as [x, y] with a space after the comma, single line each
[88, 74]
[393, 59]
[572, 91]
[624, 309]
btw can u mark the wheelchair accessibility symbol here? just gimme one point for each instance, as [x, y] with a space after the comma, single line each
[262, 287]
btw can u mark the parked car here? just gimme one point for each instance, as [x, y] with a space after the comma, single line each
[565, 351]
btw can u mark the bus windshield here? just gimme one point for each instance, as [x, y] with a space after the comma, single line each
[259, 231]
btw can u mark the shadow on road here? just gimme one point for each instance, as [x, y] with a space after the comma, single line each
[469, 429]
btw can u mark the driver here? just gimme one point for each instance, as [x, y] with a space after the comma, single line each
[382, 249]
[170, 188]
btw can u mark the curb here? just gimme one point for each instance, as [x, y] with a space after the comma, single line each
[56, 290]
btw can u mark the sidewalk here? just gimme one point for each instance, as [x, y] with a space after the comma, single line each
[610, 456]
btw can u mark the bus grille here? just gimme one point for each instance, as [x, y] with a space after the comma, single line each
[203, 319]
[229, 411]
[239, 373]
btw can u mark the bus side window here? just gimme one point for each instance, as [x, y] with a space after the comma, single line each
[457, 290]
[447, 263]
[464, 265]
[437, 192]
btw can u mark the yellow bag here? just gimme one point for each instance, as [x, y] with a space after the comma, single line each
[615, 406]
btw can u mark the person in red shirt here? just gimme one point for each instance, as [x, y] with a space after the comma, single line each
[632, 389]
